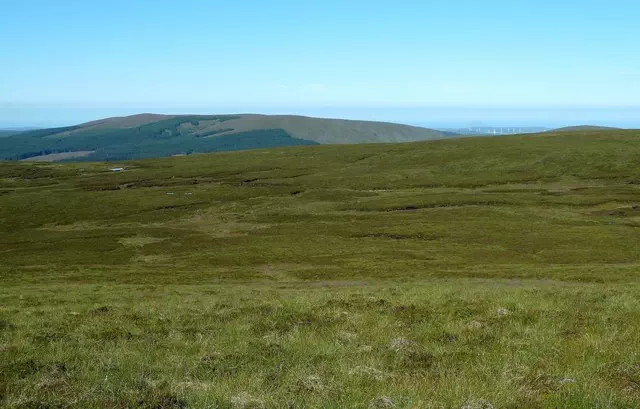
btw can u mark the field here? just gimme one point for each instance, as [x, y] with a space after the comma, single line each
[469, 273]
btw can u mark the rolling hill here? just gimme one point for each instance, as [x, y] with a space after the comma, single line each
[582, 128]
[151, 135]
[497, 272]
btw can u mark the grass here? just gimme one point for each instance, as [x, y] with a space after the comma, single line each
[490, 272]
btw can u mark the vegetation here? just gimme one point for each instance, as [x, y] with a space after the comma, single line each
[263, 138]
[148, 136]
[157, 139]
[583, 128]
[468, 273]
[6, 132]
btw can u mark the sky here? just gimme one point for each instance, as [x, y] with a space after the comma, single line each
[428, 62]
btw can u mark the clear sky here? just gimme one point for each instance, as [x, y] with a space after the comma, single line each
[423, 61]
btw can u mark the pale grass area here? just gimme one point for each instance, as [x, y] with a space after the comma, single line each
[210, 222]
[54, 157]
[319, 129]
[140, 241]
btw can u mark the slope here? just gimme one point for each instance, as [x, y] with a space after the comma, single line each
[573, 184]
[586, 128]
[8, 132]
[149, 135]
[468, 273]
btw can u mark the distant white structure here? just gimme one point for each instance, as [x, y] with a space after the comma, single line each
[117, 169]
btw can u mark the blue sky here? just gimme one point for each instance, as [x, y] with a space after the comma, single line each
[422, 61]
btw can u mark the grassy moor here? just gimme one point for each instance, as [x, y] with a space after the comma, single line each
[493, 272]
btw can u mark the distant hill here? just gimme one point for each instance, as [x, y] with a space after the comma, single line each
[581, 128]
[151, 135]
[6, 132]
[11, 131]
[14, 131]
[496, 130]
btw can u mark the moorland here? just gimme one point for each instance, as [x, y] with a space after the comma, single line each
[494, 272]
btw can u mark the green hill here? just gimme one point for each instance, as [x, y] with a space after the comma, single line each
[586, 128]
[149, 135]
[497, 272]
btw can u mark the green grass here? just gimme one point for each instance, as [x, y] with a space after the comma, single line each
[447, 274]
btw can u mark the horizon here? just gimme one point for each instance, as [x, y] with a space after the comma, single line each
[371, 61]
[16, 117]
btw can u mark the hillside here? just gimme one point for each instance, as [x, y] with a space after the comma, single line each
[150, 135]
[580, 128]
[497, 272]
[567, 171]
[7, 132]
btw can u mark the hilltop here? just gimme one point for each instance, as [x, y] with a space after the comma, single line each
[151, 135]
[580, 128]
